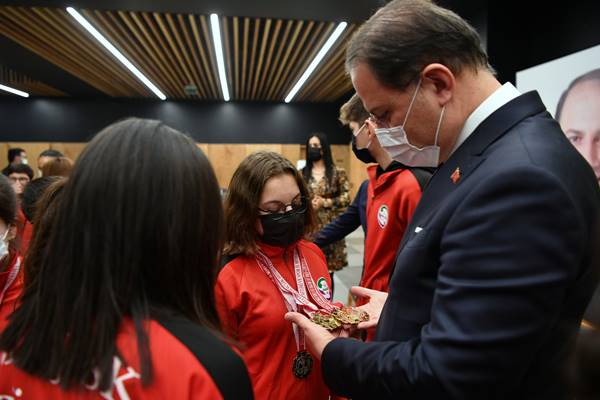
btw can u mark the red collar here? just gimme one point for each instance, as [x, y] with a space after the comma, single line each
[274, 251]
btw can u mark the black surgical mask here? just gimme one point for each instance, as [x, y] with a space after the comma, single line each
[314, 154]
[362, 154]
[283, 230]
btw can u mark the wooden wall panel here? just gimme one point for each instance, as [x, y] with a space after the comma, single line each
[224, 158]
[357, 172]
[71, 150]
[32, 149]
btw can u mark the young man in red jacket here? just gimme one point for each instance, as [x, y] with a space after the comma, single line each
[393, 193]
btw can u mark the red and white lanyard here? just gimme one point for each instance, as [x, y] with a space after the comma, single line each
[12, 276]
[295, 299]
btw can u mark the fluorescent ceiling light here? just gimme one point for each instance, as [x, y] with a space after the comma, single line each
[216, 34]
[14, 91]
[313, 65]
[113, 50]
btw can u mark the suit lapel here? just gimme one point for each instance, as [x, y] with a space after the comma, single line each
[470, 155]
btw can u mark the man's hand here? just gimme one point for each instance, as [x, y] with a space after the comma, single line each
[373, 307]
[317, 337]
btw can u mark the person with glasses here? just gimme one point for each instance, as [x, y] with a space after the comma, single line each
[20, 175]
[118, 302]
[269, 269]
[500, 258]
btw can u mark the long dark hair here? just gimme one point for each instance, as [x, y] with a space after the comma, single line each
[243, 195]
[327, 158]
[137, 232]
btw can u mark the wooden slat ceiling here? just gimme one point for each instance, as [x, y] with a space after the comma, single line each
[263, 57]
[22, 82]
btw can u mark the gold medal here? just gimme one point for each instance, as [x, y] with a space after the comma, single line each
[302, 364]
[338, 317]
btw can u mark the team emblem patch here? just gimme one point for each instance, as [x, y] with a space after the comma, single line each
[382, 216]
[324, 288]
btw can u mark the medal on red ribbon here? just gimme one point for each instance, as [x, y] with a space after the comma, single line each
[323, 312]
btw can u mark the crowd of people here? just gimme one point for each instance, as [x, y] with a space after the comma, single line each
[481, 222]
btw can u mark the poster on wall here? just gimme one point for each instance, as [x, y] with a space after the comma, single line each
[570, 88]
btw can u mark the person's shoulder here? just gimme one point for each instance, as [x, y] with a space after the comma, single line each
[306, 245]
[234, 264]
[196, 352]
[312, 251]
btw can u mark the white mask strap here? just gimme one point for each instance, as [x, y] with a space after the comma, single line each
[437, 131]
[411, 102]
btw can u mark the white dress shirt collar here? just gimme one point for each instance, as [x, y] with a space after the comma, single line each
[500, 97]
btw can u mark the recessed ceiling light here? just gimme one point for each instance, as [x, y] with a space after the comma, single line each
[313, 65]
[14, 91]
[216, 34]
[113, 50]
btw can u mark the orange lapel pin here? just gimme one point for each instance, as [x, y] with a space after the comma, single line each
[455, 177]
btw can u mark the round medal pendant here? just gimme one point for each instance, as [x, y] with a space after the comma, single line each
[302, 364]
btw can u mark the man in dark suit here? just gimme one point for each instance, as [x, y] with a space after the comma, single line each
[501, 257]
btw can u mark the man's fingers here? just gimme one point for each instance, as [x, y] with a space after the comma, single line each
[298, 319]
[363, 292]
[367, 324]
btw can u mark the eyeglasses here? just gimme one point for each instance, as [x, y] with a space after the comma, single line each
[380, 122]
[280, 209]
[19, 179]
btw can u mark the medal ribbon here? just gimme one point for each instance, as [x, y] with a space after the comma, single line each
[295, 299]
[12, 275]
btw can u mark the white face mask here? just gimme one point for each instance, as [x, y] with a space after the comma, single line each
[4, 245]
[395, 142]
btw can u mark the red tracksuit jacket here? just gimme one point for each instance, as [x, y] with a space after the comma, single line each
[252, 310]
[13, 290]
[392, 198]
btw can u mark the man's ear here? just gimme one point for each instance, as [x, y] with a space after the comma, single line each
[440, 80]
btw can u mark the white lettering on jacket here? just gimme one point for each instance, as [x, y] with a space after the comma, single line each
[118, 385]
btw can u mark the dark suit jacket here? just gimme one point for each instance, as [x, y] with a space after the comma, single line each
[493, 273]
[354, 216]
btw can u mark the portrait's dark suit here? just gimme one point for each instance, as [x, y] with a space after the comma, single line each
[492, 276]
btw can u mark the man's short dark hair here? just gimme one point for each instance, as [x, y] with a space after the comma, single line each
[33, 191]
[19, 169]
[403, 37]
[14, 153]
[51, 153]
[593, 75]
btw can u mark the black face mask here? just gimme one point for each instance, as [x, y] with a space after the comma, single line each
[314, 154]
[283, 229]
[362, 154]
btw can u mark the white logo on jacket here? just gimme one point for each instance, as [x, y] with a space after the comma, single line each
[382, 216]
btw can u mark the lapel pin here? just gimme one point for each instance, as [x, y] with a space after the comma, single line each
[455, 177]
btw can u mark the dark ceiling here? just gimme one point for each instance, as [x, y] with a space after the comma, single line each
[40, 43]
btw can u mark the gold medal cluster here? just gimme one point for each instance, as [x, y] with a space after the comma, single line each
[339, 317]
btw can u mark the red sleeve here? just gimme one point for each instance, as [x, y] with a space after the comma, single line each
[11, 297]
[227, 297]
